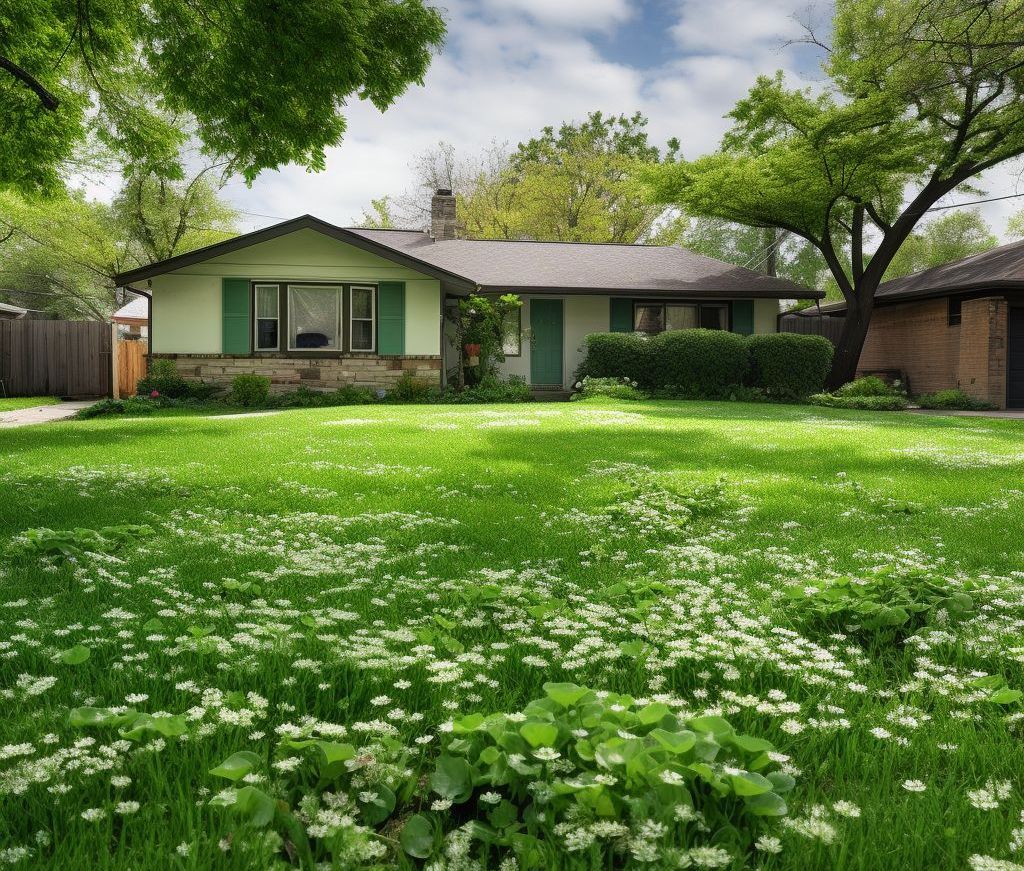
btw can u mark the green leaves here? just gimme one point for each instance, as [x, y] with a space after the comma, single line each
[452, 779]
[674, 742]
[539, 734]
[378, 808]
[75, 655]
[237, 765]
[417, 837]
[252, 805]
[566, 694]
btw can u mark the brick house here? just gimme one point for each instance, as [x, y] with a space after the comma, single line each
[956, 325]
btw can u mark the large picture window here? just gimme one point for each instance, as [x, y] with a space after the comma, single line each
[512, 334]
[314, 317]
[656, 317]
[268, 317]
[362, 317]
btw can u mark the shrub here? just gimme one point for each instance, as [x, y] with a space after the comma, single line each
[410, 389]
[303, 397]
[132, 406]
[618, 355]
[698, 363]
[787, 365]
[614, 388]
[163, 378]
[869, 385]
[514, 389]
[892, 402]
[250, 391]
[952, 400]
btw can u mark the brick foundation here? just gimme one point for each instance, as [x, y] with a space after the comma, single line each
[915, 339]
[321, 373]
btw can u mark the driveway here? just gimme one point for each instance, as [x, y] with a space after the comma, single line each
[41, 413]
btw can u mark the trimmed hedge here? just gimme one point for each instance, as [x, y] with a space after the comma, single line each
[955, 400]
[789, 365]
[700, 363]
[892, 402]
[711, 364]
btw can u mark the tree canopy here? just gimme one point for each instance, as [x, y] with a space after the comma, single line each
[952, 236]
[921, 96]
[261, 83]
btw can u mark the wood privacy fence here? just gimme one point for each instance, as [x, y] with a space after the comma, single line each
[56, 358]
[812, 325]
[131, 366]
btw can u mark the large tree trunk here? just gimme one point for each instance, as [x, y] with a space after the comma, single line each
[851, 339]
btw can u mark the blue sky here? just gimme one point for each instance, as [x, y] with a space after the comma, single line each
[512, 66]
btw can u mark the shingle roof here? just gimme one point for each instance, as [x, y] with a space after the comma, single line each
[999, 268]
[137, 309]
[537, 267]
[586, 267]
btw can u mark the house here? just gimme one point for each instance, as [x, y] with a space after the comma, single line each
[133, 319]
[959, 325]
[307, 303]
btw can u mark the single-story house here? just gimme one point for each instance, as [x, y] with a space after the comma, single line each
[132, 319]
[959, 325]
[306, 302]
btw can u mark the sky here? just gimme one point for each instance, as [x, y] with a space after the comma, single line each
[510, 67]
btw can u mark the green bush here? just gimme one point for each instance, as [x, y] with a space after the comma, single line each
[613, 388]
[699, 363]
[618, 355]
[514, 389]
[303, 397]
[869, 385]
[163, 378]
[250, 391]
[892, 402]
[952, 400]
[132, 406]
[789, 366]
[410, 389]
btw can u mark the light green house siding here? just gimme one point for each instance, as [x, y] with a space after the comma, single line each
[187, 302]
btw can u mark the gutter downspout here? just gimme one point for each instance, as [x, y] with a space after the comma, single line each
[149, 318]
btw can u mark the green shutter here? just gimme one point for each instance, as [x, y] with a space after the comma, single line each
[621, 320]
[234, 313]
[743, 316]
[391, 317]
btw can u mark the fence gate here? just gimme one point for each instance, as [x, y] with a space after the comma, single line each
[131, 366]
[55, 358]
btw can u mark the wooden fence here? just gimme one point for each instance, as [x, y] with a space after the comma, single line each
[131, 366]
[56, 358]
[813, 325]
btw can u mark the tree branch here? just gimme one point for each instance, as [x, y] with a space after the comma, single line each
[48, 100]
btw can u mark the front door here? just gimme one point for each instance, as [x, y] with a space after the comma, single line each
[546, 342]
[1015, 359]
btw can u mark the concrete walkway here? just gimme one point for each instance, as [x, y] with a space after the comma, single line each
[41, 414]
[1009, 414]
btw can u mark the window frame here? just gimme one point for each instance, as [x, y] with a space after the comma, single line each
[699, 303]
[352, 319]
[256, 318]
[339, 334]
[954, 311]
[518, 315]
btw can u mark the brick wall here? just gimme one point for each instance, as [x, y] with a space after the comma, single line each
[983, 349]
[916, 339]
[321, 373]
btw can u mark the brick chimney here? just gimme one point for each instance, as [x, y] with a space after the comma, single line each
[442, 215]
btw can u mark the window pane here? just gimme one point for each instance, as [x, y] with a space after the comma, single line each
[680, 317]
[362, 335]
[313, 317]
[649, 318]
[266, 300]
[266, 334]
[511, 344]
[712, 317]
[362, 302]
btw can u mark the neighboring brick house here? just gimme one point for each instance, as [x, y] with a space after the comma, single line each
[956, 325]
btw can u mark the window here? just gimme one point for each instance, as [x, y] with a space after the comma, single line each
[512, 340]
[955, 314]
[268, 317]
[314, 317]
[656, 317]
[361, 319]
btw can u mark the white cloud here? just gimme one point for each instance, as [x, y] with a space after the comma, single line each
[571, 14]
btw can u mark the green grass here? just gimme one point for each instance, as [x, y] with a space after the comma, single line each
[318, 558]
[13, 403]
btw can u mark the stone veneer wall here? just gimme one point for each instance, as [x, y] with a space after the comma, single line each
[319, 373]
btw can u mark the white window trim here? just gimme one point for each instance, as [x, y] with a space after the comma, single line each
[256, 317]
[338, 289]
[372, 319]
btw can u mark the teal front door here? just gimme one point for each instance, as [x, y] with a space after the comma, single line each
[546, 342]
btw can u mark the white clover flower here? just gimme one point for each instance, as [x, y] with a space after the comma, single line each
[914, 786]
[768, 844]
[126, 807]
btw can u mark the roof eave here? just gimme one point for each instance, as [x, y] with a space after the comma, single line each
[794, 293]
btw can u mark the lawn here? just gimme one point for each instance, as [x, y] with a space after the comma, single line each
[13, 403]
[332, 594]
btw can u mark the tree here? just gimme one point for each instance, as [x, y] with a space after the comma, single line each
[951, 237]
[921, 97]
[61, 253]
[264, 81]
[380, 218]
[577, 183]
[484, 322]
